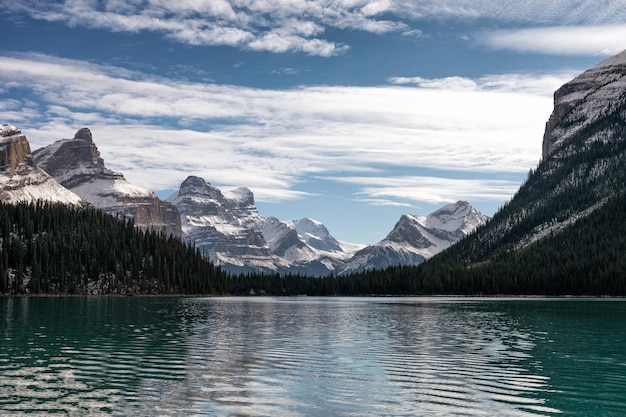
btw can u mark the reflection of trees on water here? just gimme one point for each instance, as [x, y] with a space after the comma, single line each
[82, 355]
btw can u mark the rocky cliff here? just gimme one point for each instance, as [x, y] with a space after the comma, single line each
[20, 177]
[76, 164]
[227, 228]
[583, 167]
[585, 100]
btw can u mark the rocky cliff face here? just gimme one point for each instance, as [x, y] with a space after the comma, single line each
[585, 100]
[415, 239]
[20, 177]
[15, 155]
[76, 164]
[225, 227]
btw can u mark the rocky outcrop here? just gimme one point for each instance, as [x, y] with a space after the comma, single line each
[227, 228]
[77, 165]
[15, 155]
[584, 100]
[20, 177]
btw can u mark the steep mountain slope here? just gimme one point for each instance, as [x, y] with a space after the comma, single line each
[21, 180]
[225, 227]
[415, 239]
[583, 167]
[76, 164]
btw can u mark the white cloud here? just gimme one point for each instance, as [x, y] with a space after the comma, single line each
[536, 84]
[560, 40]
[299, 25]
[157, 131]
[276, 26]
[434, 190]
[535, 12]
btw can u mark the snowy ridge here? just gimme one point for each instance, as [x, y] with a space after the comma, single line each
[21, 180]
[35, 186]
[415, 239]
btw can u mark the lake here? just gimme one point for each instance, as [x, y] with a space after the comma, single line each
[152, 356]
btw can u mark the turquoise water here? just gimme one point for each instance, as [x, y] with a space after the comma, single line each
[312, 357]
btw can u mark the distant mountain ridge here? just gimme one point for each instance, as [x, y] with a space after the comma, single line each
[414, 239]
[226, 225]
[76, 164]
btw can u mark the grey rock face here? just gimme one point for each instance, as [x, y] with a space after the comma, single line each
[76, 164]
[585, 99]
[20, 177]
[226, 228]
[15, 155]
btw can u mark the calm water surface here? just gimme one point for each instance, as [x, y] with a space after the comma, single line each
[312, 357]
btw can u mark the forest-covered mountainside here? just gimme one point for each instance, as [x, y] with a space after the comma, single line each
[57, 249]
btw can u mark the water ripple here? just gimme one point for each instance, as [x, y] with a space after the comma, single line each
[301, 357]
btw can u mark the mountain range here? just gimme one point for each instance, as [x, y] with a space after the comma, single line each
[561, 233]
[224, 225]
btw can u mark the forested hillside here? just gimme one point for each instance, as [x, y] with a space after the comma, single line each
[52, 248]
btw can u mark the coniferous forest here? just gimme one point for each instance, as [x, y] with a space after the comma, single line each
[54, 249]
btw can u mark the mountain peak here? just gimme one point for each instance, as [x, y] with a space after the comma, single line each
[77, 165]
[84, 134]
[417, 238]
[584, 100]
[20, 177]
[73, 162]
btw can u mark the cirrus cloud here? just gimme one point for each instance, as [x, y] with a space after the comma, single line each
[560, 40]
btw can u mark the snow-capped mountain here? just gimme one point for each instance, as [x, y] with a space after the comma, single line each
[415, 239]
[307, 245]
[225, 226]
[21, 180]
[76, 164]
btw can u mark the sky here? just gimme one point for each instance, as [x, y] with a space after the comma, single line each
[351, 112]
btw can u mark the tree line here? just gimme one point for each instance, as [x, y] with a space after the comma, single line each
[54, 249]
